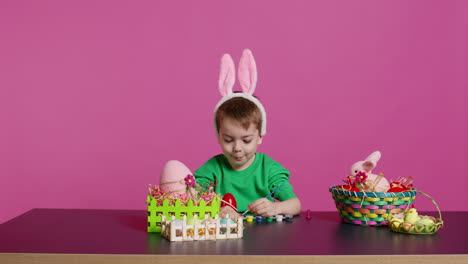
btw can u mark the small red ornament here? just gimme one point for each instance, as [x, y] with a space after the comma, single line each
[229, 200]
[349, 188]
[398, 186]
[396, 189]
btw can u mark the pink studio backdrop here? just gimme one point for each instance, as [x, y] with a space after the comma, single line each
[97, 95]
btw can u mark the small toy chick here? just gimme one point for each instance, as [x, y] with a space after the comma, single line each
[411, 216]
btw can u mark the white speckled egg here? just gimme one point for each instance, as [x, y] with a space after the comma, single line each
[172, 177]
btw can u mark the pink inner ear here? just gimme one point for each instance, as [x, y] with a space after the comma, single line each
[247, 72]
[226, 75]
[368, 166]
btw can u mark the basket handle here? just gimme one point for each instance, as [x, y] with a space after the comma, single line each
[433, 201]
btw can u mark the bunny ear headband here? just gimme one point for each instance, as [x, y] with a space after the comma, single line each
[247, 78]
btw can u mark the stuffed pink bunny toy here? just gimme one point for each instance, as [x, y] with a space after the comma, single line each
[373, 183]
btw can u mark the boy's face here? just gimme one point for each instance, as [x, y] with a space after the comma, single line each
[239, 144]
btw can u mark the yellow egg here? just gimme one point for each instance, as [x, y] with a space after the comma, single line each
[191, 221]
[396, 222]
[425, 221]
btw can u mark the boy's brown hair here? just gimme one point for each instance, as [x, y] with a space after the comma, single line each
[242, 110]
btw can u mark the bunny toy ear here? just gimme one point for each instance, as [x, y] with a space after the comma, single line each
[227, 75]
[368, 165]
[371, 161]
[247, 72]
[374, 156]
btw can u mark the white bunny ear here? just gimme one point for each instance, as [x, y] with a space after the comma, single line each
[374, 156]
[247, 72]
[227, 75]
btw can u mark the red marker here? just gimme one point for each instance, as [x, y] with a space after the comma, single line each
[308, 215]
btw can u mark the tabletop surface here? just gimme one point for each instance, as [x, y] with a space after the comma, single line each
[83, 231]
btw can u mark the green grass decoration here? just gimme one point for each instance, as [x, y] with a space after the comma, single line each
[156, 212]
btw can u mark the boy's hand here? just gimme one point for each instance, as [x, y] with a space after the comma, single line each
[263, 207]
[227, 210]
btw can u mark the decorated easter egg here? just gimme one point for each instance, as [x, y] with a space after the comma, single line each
[208, 221]
[172, 179]
[227, 221]
[229, 200]
[401, 216]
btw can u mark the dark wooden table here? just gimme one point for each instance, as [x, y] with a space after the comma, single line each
[45, 235]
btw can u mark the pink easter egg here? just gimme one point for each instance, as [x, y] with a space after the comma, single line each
[172, 177]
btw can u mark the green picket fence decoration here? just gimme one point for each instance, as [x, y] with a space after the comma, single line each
[156, 212]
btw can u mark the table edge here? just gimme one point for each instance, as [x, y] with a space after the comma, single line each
[226, 259]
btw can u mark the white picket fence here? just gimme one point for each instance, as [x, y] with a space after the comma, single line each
[207, 229]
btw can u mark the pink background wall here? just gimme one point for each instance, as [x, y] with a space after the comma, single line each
[95, 96]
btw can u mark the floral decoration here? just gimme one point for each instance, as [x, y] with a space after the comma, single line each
[190, 180]
[361, 177]
[194, 192]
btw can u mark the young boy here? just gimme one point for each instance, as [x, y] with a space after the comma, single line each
[240, 123]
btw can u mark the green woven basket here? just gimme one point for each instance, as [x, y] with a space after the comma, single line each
[370, 208]
[155, 212]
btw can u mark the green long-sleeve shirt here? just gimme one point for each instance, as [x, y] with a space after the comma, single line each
[262, 177]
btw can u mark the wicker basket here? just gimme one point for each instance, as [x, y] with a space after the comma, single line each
[418, 228]
[370, 208]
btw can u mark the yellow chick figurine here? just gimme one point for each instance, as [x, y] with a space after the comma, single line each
[411, 216]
